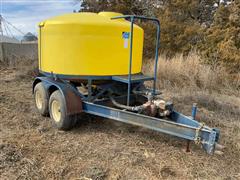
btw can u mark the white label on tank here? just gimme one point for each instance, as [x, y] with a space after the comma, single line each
[125, 43]
[125, 36]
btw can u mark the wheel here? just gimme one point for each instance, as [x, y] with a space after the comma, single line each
[41, 99]
[58, 112]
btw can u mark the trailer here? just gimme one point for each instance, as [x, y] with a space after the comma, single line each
[123, 97]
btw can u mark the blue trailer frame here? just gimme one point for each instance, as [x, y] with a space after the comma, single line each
[177, 124]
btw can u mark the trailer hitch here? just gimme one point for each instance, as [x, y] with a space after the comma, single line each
[157, 112]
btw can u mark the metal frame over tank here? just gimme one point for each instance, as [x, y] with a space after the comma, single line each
[143, 78]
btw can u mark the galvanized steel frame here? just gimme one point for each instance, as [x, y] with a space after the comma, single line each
[178, 125]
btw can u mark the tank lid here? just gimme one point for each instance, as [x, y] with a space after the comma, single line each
[87, 18]
[110, 14]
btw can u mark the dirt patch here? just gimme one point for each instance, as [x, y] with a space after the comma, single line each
[103, 149]
[94, 173]
[167, 171]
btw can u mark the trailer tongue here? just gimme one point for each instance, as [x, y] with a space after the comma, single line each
[179, 126]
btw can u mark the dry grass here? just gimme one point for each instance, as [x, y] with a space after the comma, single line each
[25, 68]
[186, 80]
[30, 148]
[189, 73]
[98, 149]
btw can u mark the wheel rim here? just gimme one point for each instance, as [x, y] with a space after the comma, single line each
[39, 100]
[56, 110]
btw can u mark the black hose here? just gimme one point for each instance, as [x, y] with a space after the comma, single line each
[130, 108]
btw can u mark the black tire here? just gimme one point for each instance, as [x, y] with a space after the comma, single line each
[58, 113]
[41, 99]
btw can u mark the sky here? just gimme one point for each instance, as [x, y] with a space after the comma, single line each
[26, 14]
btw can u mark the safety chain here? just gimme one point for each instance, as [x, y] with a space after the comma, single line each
[197, 138]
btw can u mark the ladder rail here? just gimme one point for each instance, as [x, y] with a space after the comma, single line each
[157, 22]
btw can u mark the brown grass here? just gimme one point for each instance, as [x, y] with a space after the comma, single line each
[189, 73]
[30, 148]
[25, 68]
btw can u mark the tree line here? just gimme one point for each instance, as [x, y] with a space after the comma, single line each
[210, 27]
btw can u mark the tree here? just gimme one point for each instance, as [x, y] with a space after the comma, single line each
[180, 28]
[222, 39]
[123, 6]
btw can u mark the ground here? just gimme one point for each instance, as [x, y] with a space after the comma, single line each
[97, 148]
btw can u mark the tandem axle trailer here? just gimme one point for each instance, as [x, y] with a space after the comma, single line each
[123, 98]
[72, 103]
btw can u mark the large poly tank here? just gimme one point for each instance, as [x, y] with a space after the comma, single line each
[89, 44]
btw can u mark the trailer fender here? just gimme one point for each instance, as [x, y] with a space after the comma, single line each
[73, 100]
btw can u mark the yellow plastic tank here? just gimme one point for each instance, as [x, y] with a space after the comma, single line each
[89, 44]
